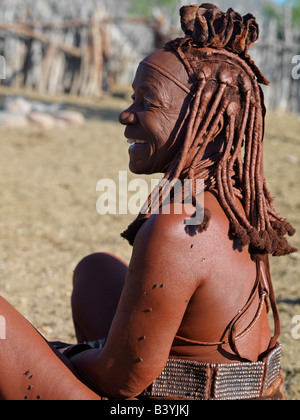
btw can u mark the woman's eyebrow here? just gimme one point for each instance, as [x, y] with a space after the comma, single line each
[148, 87]
[144, 86]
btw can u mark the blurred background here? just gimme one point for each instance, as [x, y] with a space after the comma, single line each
[64, 46]
[69, 65]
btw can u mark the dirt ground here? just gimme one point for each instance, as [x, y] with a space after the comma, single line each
[48, 217]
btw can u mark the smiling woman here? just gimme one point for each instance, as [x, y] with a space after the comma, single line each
[188, 318]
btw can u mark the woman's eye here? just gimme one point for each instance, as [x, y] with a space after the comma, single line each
[148, 103]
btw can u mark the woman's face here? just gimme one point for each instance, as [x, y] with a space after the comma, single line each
[153, 120]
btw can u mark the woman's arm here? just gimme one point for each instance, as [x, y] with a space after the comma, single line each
[158, 287]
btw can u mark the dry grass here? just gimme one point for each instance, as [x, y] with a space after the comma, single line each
[49, 221]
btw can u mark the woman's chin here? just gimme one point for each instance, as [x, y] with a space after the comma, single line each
[139, 168]
[143, 169]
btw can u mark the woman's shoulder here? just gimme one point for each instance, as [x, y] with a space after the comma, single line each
[176, 237]
[169, 225]
[183, 221]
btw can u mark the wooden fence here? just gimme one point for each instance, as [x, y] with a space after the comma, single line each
[85, 56]
[277, 55]
[72, 56]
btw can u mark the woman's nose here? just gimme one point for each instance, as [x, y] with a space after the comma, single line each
[128, 118]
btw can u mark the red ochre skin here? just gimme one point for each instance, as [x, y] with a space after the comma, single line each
[176, 284]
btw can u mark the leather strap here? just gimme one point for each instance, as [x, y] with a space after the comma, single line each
[266, 277]
[232, 337]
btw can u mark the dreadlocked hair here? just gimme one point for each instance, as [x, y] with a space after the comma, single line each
[227, 95]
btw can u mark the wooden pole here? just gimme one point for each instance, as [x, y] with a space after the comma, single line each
[26, 31]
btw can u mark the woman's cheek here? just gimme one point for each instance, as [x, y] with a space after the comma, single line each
[162, 127]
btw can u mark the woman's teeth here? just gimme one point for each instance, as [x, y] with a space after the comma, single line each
[131, 141]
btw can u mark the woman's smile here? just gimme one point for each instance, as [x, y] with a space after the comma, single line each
[136, 143]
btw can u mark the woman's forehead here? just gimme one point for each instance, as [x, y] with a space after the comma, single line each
[154, 72]
[146, 76]
[151, 83]
[167, 63]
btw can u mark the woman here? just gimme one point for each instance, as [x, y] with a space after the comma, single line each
[188, 317]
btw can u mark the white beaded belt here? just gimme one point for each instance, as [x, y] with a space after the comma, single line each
[184, 379]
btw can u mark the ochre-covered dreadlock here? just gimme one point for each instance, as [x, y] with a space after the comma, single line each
[227, 94]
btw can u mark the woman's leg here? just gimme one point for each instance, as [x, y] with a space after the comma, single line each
[97, 286]
[29, 368]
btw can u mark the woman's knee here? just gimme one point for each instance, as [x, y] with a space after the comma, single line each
[97, 286]
[100, 266]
